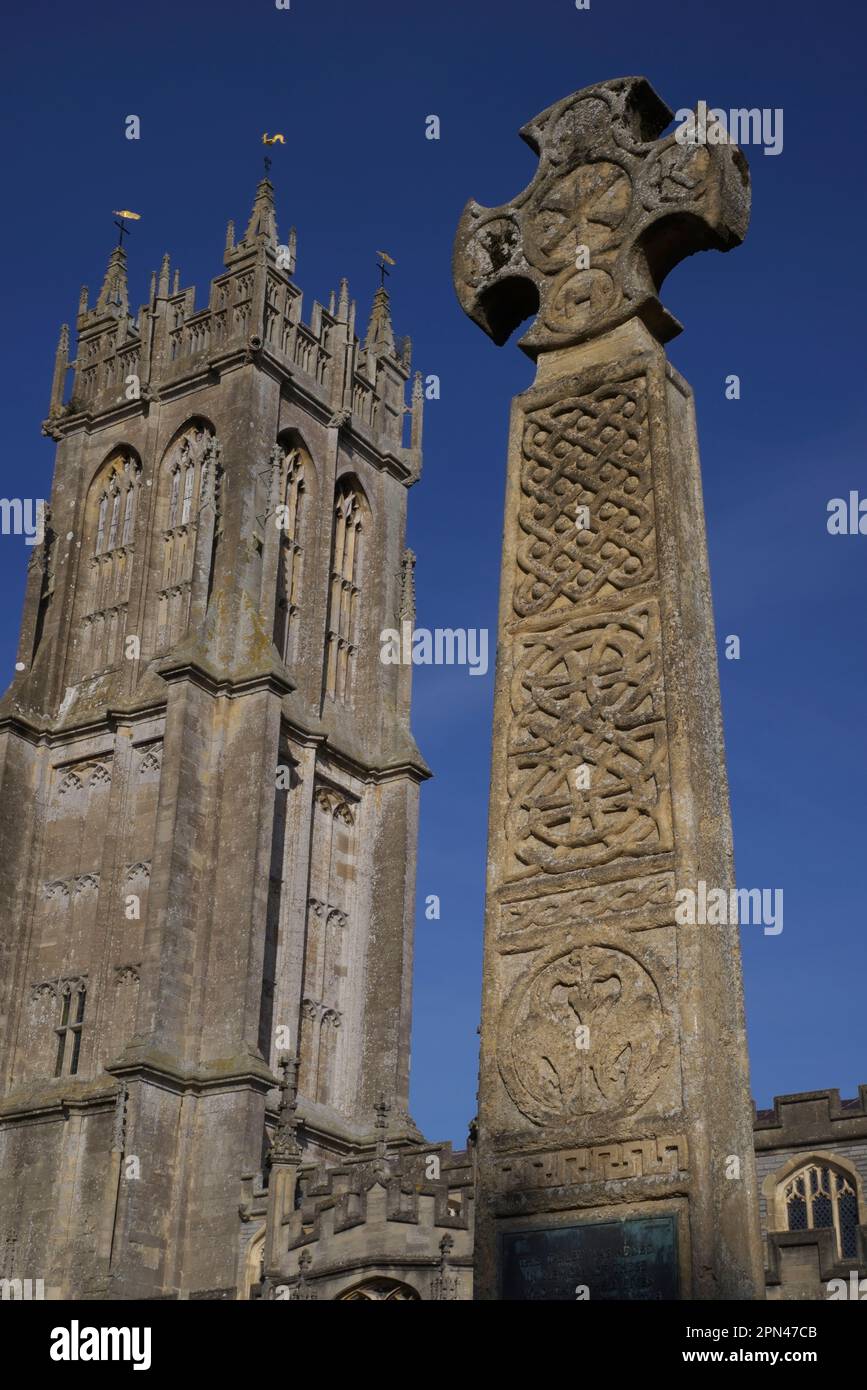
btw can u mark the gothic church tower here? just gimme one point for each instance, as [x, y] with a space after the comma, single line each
[209, 784]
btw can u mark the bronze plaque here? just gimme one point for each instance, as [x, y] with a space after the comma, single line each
[634, 1259]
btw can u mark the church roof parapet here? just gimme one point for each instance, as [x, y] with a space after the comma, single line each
[808, 1117]
[253, 314]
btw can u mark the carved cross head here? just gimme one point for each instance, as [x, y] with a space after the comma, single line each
[611, 210]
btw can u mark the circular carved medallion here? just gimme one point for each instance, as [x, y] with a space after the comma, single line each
[585, 1033]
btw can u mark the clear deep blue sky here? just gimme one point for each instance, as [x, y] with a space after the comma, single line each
[350, 84]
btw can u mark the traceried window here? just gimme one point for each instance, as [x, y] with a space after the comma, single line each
[72, 1000]
[188, 472]
[344, 595]
[109, 539]
[821, 1197]
[289, 567]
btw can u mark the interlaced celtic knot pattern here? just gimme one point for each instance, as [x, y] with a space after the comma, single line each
[588, 691]
[585, 451]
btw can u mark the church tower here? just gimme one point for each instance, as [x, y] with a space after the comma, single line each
[209, 784]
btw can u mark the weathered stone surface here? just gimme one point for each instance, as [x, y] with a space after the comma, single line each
[605, 182]
[607, 1030]
[208, 788]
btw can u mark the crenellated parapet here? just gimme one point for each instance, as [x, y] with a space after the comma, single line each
[404, 1177]
[399, 1222]
[810, 1117]
[254, 313]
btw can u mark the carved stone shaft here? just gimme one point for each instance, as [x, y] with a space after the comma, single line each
[605, 1025]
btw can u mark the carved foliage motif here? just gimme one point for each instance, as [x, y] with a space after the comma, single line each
[586, 1032]
[62, 889]
[588, 451]
[333, 804]
[71, 782]
[150, 762]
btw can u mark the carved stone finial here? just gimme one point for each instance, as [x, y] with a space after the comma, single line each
[114, 297]
[61, 365]
[380, 334]
[444, 1285]
[407, 587]
[611, 210]
[285, 1147]
[302, 1293]
[263, 218]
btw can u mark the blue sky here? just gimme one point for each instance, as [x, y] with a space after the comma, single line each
[350, 84]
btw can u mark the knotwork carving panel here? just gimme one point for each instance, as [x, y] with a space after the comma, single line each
[592, 451]
[585, 1032]
[587, 692]
[635, 904]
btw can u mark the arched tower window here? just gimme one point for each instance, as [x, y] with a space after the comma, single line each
[105, 589]
[820, 1196]
[184, 469]
[342, 634]
[290, 520]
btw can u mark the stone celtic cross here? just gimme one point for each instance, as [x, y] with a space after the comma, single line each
[606, 183]
[615, 1141]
